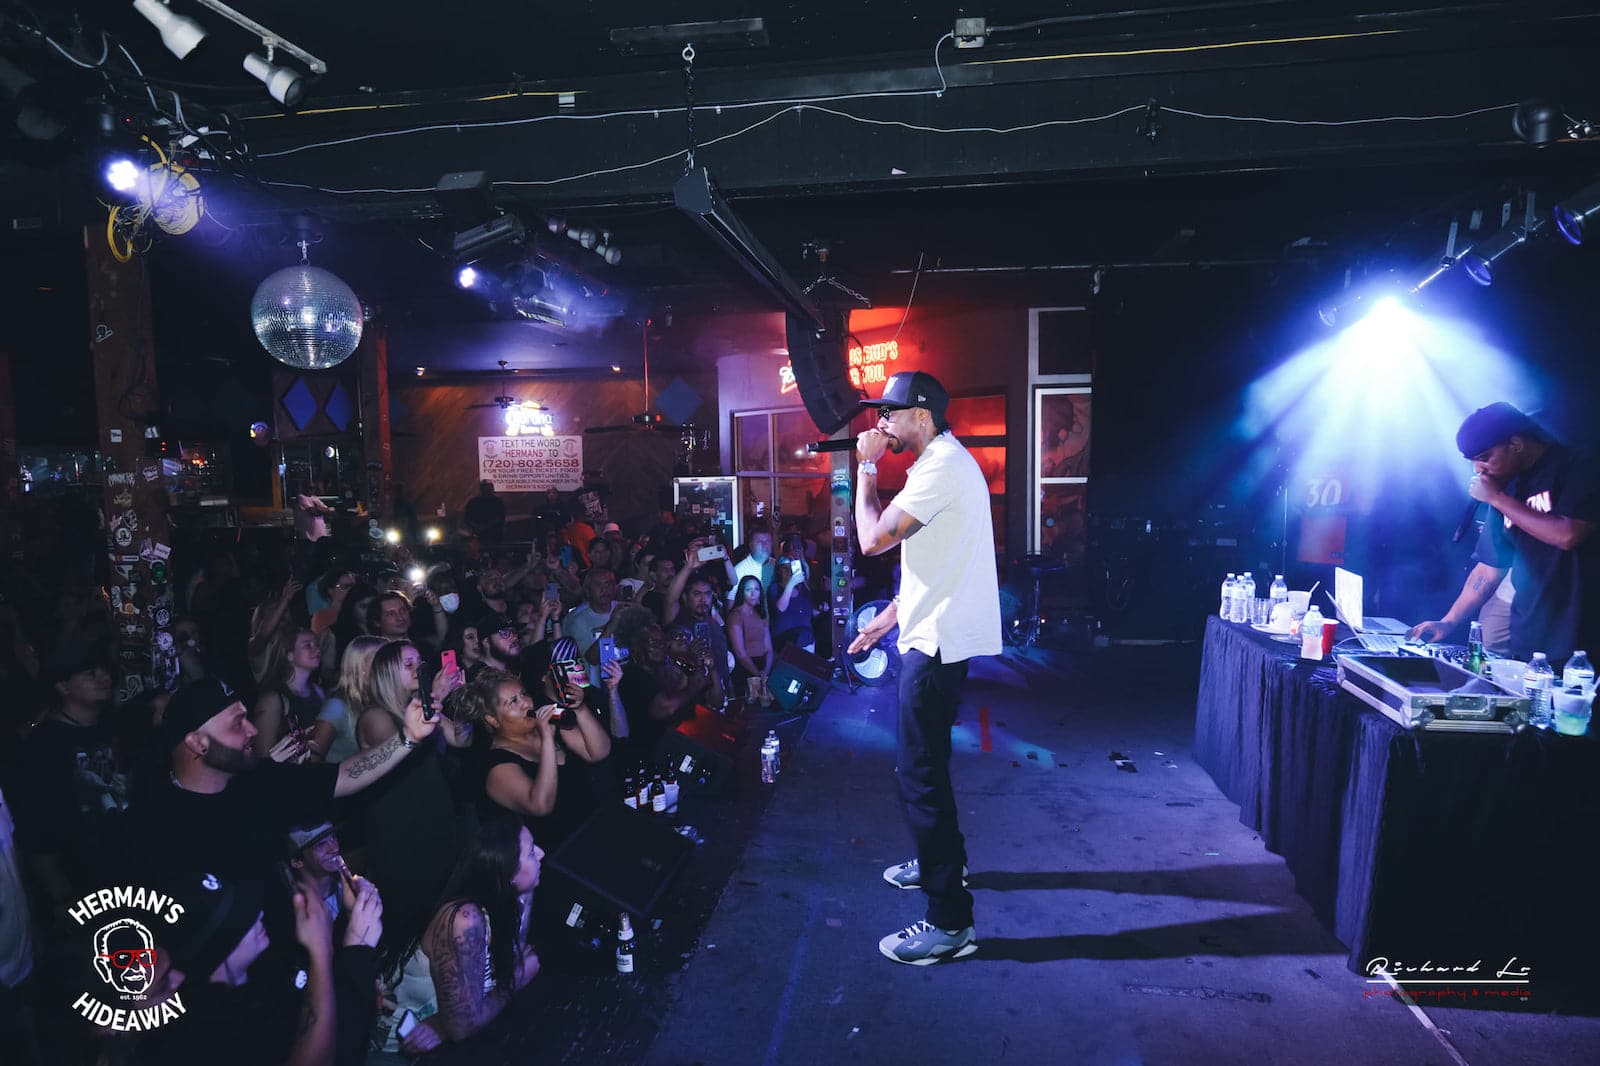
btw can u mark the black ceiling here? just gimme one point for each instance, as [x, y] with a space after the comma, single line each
[1125, 194]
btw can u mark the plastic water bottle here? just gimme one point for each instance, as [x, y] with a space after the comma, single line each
[1578, 674]
[769, 758]
[1536, 685]
[1311, 634]
[1279, 593]
[1226, 614]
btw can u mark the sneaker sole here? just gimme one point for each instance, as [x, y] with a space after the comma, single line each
[960, 953]
[918, 884]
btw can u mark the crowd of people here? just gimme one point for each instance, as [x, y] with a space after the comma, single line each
[354, 775]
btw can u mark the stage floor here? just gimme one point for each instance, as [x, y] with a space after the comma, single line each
[1123, 917]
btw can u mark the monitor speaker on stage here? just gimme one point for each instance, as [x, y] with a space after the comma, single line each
[702, 752]
[822, 369]
[800, 680]
[620, 857]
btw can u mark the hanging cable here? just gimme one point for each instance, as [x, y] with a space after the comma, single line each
[914, 279]
[939, 92]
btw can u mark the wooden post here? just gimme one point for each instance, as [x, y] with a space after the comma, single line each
[134, 489]
[375, 441]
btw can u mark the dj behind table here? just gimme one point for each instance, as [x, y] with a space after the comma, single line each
[1408, 843]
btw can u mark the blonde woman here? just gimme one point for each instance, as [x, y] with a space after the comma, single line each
[348, 699]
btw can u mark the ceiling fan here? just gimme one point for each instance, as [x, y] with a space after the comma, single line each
[504, 401]
[523, 417]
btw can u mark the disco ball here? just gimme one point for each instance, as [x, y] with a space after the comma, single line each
[306, 318]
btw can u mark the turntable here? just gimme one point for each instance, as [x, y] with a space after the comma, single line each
[1432, 693]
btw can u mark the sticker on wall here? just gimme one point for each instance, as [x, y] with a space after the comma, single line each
[123, 537]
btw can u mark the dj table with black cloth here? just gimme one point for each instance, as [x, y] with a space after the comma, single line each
[1408, 845]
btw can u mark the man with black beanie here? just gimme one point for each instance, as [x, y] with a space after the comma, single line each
[1545, 502]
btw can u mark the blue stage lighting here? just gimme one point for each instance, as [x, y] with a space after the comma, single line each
[1479, 261]
[122, 174]
[1575, 211]
[467, 278]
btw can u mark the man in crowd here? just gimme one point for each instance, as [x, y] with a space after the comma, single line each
[662, 570]
[1545, 503]
[225, 808]
[758, 564]
[70, 790]
[318, 865]
[485, 515]
[499, 645]
[662, 680]
[948, 611]
[393, 610]
[695, 609]
[594, 617]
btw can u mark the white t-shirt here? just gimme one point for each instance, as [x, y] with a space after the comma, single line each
[949, 591]
[583, 624]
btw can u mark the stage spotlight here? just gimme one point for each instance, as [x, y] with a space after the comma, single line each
[1575, 211]
[433, 534]
[467, 277]
[1479, 261]
[284, 84]
[1537, 121]
[123, 174]
[179, 33]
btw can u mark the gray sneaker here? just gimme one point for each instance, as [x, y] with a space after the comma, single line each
[909, 875]
[923, 944]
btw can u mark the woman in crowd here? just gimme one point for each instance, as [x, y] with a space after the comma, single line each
[750, 641]
[271, 627]
[535, 766]
[790, 595]
[348, 699]
[411, 825]
[474, 954]
[352, 621]
[290, 702]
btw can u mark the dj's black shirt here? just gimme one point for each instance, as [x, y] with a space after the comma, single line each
[1556, 608]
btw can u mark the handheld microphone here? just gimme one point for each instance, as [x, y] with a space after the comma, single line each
[1469, 518]
[847, 445]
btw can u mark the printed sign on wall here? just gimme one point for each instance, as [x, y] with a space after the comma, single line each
[531, 464]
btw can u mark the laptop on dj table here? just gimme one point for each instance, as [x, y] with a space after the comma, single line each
[1383, 636]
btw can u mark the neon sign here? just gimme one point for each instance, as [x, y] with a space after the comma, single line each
[867, 363]
[867, 366]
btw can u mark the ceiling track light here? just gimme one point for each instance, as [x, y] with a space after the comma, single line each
[178, 32]
[284, 84]
[271, 40]
[1573, 213]
[1479, 260]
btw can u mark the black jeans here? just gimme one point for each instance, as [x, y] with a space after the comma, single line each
[929, 689]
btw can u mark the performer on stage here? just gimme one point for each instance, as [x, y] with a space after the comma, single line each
[1546, 503]
[948, 611]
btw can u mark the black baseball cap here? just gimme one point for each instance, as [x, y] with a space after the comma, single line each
[192, 706]
[1491, 425]
[913, 388]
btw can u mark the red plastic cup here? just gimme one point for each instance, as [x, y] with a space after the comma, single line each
[1329, 627]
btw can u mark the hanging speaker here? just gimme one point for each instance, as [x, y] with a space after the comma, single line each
[822, 369]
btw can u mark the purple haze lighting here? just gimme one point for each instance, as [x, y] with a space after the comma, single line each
[1570, 223]
[122, 175]
[1478, 269]
[467, 278]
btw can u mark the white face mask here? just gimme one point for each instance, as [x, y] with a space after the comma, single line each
[450, 601]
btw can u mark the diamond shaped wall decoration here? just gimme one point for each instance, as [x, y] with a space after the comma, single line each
[301, 405]
[338, 407]
[678, 401]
